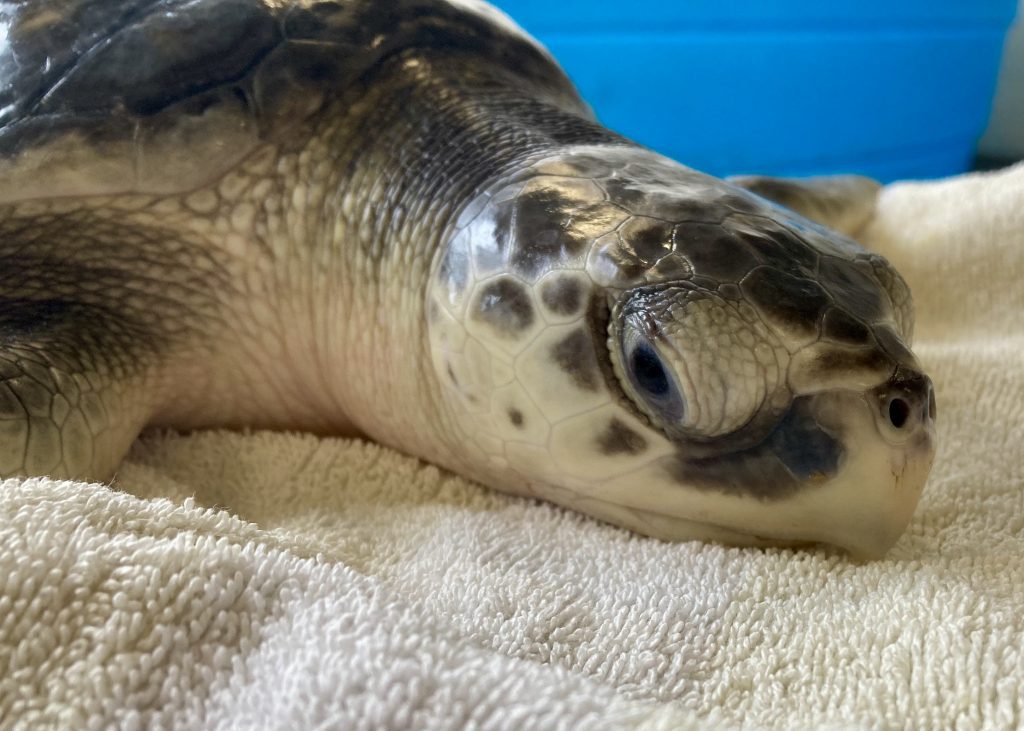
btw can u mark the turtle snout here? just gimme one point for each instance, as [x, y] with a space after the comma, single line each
[906, 403]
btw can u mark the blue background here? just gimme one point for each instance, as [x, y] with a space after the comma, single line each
[891, 89]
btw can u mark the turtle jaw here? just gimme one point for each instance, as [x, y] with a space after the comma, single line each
[872, 498]
[862, 507]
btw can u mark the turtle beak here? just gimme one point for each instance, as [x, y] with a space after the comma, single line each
[856, 461]
[889, 439]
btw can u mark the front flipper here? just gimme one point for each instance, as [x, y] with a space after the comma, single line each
[841, 202]
[72, 388]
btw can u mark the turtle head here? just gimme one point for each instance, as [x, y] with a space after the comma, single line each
[658, 348]
[824, 436]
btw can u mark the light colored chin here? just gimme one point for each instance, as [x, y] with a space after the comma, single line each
[863, 510]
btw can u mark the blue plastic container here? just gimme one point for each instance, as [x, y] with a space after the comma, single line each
[887, 88]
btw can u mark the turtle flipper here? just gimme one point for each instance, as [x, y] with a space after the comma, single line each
[841, 202]
[71, 389]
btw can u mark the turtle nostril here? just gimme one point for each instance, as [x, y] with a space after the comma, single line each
[899, 412]
[906, 402]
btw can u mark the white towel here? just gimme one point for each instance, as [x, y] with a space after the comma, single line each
[287, 581]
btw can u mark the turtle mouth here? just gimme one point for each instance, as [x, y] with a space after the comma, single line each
[815, 437]
[843, 466]
[826, 475]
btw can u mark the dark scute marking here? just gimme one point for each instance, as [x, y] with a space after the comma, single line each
[538, 208]
[788, 193]
[795, 453]
[774, 189]
[803, 447]
[892, 345]
[503, 225]
[376, 30]
[713, 252]
[673, 267]
[593, 220]
[869, 359]
[739, 202]
[882, 271]
[562, 295]
[543, 233]
[143, 68]
[90, 61]
[655, 235]
[624, 192]
[612, 256]
[505, 306]
[692, 210]
[648, 240]
[755, 472]
[793, 302]
[451, 376]
[852, 288]
[574, 354]
[515, 416]
[840, 326]
[894, 286]
[489, 252]
[776, 245]
[618, 438]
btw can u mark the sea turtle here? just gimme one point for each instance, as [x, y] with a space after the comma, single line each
[399, 220]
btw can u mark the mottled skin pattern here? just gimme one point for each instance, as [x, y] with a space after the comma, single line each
[772, 341]
[404, 224]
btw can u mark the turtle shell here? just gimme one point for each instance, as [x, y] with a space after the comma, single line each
[162, 96]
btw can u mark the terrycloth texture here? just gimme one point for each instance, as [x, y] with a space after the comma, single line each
[286, 581]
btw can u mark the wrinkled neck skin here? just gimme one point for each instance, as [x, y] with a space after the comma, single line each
[428, 137]
[290, 292]
[389, 176]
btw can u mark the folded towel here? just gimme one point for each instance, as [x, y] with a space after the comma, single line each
[287, 581]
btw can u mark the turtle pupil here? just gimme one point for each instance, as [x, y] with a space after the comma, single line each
[648, 371]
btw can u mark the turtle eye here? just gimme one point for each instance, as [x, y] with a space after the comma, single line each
[649, 372]
[652, 386]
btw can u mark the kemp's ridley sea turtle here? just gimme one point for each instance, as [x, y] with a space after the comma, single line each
[399, 220]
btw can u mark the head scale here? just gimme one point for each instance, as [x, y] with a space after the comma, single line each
[661, 349]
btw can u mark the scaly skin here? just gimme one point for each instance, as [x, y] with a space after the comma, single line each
[287, 294]
[300, 290]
